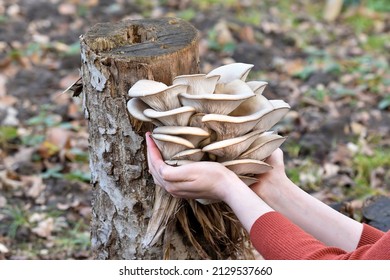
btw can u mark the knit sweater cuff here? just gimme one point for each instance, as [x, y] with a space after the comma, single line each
[369, 235]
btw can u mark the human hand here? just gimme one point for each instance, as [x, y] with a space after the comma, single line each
[271, 182]
[199, 180]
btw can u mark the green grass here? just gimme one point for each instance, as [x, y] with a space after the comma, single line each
[18, 218]
[7, 134]
[78, 175]
[360, 23]
[206, 4]
[187, 14]
[44, 118]
[378, 5]
[384, 103]
[307, 175]
[377, 43]
[250, 16]
[75, 239]
[292, 148]
[212, 39]
[364, 166]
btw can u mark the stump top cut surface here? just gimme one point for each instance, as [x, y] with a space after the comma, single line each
[141, 38]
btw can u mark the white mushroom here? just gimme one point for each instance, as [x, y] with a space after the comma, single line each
[157, 95]
[171, 145]
[197, 83]
[207, 201]
[213, 103]
[217, 116]
[252, 105]
[263, 146]
[234, 87]
[248, 180]
[280, 109]
[231, 72]
[136, 106]
[230, 149]
[257, 86]
[193, 134]
[226, 126]
[189, 155]
[176, 117]
[247, 166]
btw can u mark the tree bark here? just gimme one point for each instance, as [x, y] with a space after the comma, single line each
[114, 57]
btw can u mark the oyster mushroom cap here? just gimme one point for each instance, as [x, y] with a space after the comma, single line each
[231, 72]
[247, 166]
[171, 145]
[252, 105]
[280, 109]
[207, 201]
[257, 86]
[280, 104]
[196, 121]
[190, 155]
[230, 149]
[226, 126]
[263, 146]
[146, 87]
[157, 95]
[136, 106]
[192, 134]
[197, 83]
[248, 180]
[213, 103]
[233, 87]
[175, 117]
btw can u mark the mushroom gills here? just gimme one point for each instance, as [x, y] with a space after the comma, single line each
[213, 103]
[263, 147]
[171, 145]
[176, 117]
[230, 149]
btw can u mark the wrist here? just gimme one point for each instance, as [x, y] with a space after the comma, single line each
[230, 187]
[275, 190]
[246, 204]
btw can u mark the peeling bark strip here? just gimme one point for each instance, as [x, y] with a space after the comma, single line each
[114, 56]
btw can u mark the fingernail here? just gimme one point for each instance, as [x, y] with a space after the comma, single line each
[147, 137]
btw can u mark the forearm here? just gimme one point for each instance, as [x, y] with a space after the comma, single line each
[313, 216]
[245, 203]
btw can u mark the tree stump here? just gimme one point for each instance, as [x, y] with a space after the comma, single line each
[115, 56]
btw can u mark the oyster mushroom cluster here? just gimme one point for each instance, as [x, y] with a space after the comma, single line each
[217, 116]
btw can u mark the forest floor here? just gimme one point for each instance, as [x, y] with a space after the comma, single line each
[335, 74]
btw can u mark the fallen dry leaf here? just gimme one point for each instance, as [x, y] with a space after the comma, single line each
[3, 249]
[24, 154]
[247, 34]
[3, 201]
[34, 184]
[59, 137]
[7, 183]
[67, 9]
[44, 228]
[224, 36]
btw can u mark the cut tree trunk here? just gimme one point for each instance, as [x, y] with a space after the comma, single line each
[114, 57]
